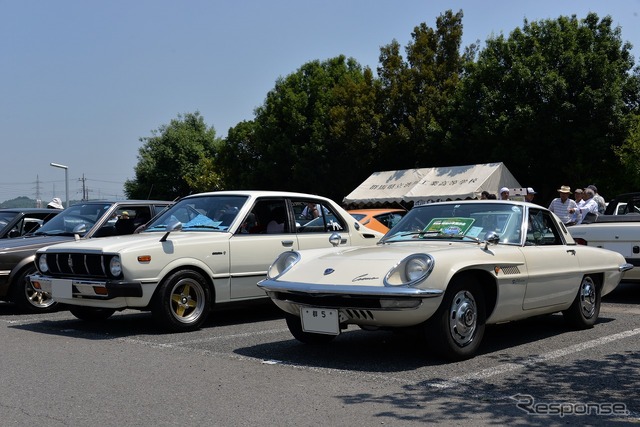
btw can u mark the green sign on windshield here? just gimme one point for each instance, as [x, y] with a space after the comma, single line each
[453, 226]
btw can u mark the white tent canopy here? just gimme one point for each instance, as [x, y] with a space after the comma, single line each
[432, 184]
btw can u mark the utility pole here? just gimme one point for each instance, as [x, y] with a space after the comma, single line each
[85, 190]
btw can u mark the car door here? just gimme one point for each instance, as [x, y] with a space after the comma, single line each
[314, 233]
[252, 248]
[552, 266]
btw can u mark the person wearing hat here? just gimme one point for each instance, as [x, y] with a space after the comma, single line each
[530, 194]
[564, 207]
[504, 193]
[55, 203]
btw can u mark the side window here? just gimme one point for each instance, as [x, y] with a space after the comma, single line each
[268, 216]
[542, 230]
[313, 216]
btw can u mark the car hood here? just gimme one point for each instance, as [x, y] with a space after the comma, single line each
[34, 242]
[368, 266]
[134, 242]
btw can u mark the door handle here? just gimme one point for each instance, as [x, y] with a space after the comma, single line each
[287, 243]
[571, 251]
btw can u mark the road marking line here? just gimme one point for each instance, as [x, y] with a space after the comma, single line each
[507, 367]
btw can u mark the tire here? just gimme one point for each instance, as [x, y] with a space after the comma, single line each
[91, 314]
[294, 323]
[585, 309]
[27, 298]
[455, 331]
[182, 301]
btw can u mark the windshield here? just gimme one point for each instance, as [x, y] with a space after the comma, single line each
[5, 218]
[204, 213]
[85, 215]
[471, 221]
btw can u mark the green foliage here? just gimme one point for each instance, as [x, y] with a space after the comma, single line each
[300, 139]
[415, 94]
[555, 100]
[176, 160]
[550, 102]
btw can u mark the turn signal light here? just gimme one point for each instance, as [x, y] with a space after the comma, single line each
[144, 258]
[36, 285]
[100, 290]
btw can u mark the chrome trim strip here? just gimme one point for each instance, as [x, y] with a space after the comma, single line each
[625, 267]
[270, 285]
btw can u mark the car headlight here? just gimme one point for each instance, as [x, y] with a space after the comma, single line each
[42, 263]
[410, 271]
[284, 262]
[115, 267]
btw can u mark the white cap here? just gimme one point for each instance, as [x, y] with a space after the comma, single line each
[504, 189]
[531, 191]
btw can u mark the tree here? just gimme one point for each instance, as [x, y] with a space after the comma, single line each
[415, 93]
[300, 139]
[176, 160]
[550, 102]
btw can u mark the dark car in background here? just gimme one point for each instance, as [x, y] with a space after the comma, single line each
[81, 221]
[16, 222]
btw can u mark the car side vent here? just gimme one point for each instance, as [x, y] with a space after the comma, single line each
[359, 314]
[510, 270]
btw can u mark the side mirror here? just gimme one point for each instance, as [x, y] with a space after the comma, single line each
[335, 239]
[174, 225]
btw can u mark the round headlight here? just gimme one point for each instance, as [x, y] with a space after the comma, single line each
[283, 263]
[410, 271]
[42, 263]
[416, 267]
[115, 268]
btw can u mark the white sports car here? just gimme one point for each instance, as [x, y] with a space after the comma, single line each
[450, 268]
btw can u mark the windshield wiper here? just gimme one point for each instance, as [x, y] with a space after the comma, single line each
[435, 235]
[213, 227]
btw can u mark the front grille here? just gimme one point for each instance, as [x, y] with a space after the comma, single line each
[80, 265]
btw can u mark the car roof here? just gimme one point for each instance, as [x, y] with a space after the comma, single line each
[258, 193]
[122, 202]
[30, 210]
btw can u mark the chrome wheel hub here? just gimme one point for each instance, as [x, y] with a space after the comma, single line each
[463, 318]
[588, 297]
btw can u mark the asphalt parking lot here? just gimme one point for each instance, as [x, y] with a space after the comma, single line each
[244, 368]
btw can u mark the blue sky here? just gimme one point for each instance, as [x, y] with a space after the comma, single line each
[82, 81]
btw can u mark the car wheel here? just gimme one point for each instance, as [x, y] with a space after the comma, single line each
[91, 314]
[182, 301]
[585, 309]
[27, 298]
[456, 329]
[294, 323]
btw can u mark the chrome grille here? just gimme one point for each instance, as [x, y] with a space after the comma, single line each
[76, 264]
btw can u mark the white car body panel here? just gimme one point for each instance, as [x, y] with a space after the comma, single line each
[527, 279]
[234, 262]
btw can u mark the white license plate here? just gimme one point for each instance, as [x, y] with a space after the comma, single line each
[61, 288]
[320, 320]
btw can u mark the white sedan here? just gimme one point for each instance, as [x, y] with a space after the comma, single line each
[207, 249]
[450, 268]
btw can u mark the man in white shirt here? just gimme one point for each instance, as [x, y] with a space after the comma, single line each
[563, 206]
[589, 209]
